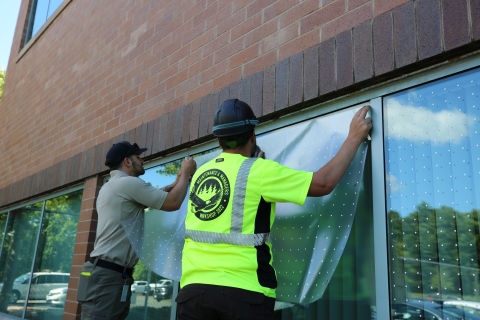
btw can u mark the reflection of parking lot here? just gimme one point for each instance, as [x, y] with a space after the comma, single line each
[151, 302]
[37, 309]
[40, 309]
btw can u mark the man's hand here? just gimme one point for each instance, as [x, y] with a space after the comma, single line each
[189, 167]
[177, 194]
[326, 178]
[360, 126]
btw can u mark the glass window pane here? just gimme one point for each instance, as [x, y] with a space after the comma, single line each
[54, 257]
[41, 12]
[17, 257]
[433, 192]
[351, 291]
[54, 4]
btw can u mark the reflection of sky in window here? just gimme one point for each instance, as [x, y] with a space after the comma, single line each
[44, 10]
[54, 4]
[432, 145]
[156, 179]
[40, 15]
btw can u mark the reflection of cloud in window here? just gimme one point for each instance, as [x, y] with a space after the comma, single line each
[419, 123]
[393, 183]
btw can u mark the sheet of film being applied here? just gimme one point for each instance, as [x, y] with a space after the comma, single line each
[308, 241]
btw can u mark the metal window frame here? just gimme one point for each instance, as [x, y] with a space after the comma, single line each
[35, 252]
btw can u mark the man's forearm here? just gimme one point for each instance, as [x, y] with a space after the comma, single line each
[177, 194]
[326, 178]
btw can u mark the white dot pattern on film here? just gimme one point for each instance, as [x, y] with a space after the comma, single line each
[433, 166]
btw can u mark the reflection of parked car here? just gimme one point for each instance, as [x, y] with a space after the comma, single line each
[142, 286]
[467, 306]
[139, 286]
[57, 296]
[420, 310]
[42, 283]
[163, 290]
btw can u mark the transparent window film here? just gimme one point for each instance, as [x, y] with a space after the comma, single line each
[432, 155]
[17, 257]
[54, 257]
[152, 293]
[323, 251]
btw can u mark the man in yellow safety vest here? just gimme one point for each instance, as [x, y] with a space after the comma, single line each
[227, 270]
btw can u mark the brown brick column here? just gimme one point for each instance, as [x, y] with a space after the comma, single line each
[87, 226]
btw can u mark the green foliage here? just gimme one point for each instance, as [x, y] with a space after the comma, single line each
[3, 74]
[172, 168]
[434, 250]
[141, 272]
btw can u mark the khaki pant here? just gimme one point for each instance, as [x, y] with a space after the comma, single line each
[99, 293]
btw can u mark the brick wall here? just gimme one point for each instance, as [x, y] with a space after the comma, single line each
[87, 226]
[154, 71]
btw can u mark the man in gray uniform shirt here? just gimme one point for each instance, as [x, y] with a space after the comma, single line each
[104, 284]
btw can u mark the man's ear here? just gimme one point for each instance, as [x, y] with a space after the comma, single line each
[127, 162]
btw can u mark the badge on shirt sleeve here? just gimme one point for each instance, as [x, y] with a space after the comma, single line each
[210, 195]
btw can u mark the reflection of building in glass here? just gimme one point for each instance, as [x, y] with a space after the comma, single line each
[154, 72]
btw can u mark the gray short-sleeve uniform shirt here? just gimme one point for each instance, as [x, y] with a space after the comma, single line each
[122, 197]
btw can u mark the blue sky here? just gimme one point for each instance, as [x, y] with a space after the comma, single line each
[8, 20]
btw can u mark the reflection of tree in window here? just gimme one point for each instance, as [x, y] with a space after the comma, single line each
[172, 168]
[57, 238]
[18, 247]
[432, 256]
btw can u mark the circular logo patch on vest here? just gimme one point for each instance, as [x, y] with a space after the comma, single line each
[210, 195]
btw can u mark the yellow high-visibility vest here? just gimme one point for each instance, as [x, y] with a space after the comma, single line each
[231, 210]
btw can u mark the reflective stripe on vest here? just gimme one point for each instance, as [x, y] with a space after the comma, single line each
[235, 236]
[237, 239]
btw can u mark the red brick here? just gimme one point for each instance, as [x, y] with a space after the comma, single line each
[200, 66]
[257, 6]
[280, 37]
[322, 16]
[222, 13]
[231, 21]
[229, 50]
[299, 44]
[198, 92]
[347, 21]
[214, 71]
[177, 78]
[261, 32]
[216, 44]
[259, 63]
[243, 56]
[246, 26]
[278, 7]
[226, 79]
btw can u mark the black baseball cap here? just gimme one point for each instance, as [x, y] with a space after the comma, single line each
[120, 151]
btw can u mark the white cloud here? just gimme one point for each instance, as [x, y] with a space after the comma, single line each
[393, 183]
[421, 124]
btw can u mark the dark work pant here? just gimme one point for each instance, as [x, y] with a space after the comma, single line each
[99, 294]
[209, 302]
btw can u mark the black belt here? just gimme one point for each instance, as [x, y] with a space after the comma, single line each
[111, 266]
